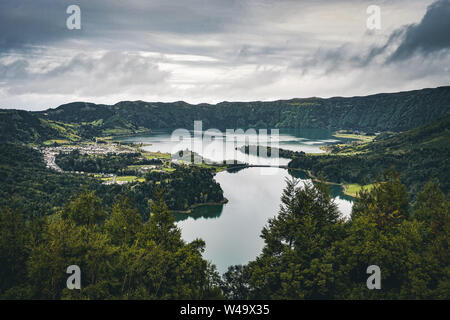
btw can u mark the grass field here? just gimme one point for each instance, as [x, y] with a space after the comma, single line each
[353, 189]
[359, 137]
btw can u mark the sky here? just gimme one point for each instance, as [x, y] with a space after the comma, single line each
[208, 51]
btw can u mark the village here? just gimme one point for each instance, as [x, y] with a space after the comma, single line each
[50, 153]
[165, 163]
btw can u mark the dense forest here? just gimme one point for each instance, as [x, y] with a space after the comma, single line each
[37, 190]
[309, 252]
[120, 255]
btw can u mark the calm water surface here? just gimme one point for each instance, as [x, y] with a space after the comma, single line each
[232, 231]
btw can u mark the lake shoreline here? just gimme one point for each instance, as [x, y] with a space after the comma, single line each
[197, 205]
[316, 179]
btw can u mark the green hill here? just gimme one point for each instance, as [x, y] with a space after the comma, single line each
[24, 126]
[381, 112]
[79, 120]
[419, 155]
[433, 136]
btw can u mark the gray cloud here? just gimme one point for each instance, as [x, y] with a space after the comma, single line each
[28, 23]
[213, 50]
[83, 74]
[430, 35]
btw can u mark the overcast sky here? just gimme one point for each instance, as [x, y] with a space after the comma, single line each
[216, 50]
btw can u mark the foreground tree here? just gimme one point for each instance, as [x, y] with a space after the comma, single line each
[125, 222]
[295, 241]
[120, 258]
[12, 248]
[86, 209]
[235, 286]
[432, 209]
[310, 253]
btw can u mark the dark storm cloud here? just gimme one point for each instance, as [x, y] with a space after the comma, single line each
[27, 23]
[430, 35]
[378, 50]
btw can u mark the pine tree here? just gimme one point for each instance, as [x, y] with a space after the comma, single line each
[235, 285]
[387, 202]
[85, 209]
[12, 248]
[290, 266]
[162, 228]
[125, 222]
[433, 210]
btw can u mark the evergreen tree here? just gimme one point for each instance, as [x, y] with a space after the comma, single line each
[433, 210]
[12, 248]
[235, 284]
[387, 201]
[125, 222]
[295, 241]
[86, 209]
[162, 228]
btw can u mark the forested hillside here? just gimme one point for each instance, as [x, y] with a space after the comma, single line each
[80, 120]
[27, 184]
[23, 126]
[419, 155]
[380, 112]
[26, 127]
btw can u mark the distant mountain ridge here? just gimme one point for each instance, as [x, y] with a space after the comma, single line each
[380, 112]
[79, 120]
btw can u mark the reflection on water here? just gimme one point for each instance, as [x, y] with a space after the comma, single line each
[335, 189]
[343, 201]
[232, 231]
[221, 147]
[205, 212]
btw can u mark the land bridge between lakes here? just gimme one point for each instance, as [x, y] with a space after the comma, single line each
[258, 166]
